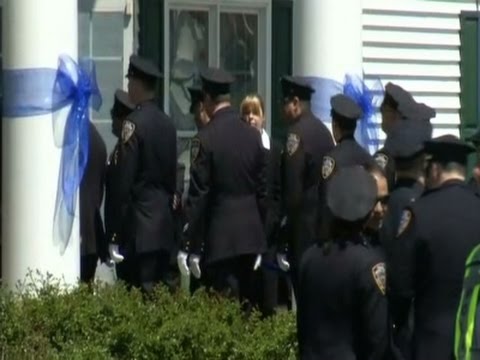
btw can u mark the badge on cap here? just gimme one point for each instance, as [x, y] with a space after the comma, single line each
[379, 273]
[194, 150]
[128, 128]
[293, 140]
[327, 166]
[404, 222]
[382, 160]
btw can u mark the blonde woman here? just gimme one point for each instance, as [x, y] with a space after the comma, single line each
[253, 112]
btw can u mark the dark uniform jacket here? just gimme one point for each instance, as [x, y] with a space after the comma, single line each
[91, 196]
[405, 192]
[308, 141]
[343, 315]
[226, 204]
[436, 235]
[274, 192]
[346, 153]
[145, 182]
[387, 163]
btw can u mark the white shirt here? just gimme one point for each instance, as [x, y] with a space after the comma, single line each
[265, 140]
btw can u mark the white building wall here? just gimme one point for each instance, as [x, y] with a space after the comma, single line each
[416, 44]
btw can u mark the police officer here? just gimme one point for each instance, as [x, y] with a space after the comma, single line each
[122, 107]
[145, 183]
[435, 236]
[92, 233]
[345, 114]
[226, 201]
[308, 141]
[405, 144]
[342, 309]
[398, 105]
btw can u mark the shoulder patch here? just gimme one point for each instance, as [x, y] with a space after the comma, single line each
[381, 159]
[293, 140]
[194, 150]
[379, 273]
[128, 128]
[404, 222]
[328, 166]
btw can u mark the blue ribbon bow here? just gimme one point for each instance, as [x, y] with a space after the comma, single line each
[33, 92]
[368, 99]
[355, 88]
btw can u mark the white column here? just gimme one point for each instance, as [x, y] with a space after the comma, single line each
[35, 33]
[327, 38]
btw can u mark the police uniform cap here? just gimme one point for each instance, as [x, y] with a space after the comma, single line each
[396, 97]
[196, 96]
[351, 193]
[216, 81]
[416, 111]
[448, 148]
[293, 86]
[121, 104]
[140, 67]
[407, 139]
[344, 107]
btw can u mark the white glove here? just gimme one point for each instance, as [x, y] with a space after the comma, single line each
[283, 262]
[115, 255]
[258, 262]
[182, 263]
[194, 262]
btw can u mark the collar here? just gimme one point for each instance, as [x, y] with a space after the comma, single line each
[265, 140]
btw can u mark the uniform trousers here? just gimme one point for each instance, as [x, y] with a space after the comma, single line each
[233, 277]
[145, 270]
[88, 265]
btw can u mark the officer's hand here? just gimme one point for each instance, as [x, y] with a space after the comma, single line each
[283, 262]
[115, 255]
[194, 263]
[258, 262]
[182, 263]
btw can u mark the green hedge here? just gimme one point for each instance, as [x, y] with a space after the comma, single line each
[113, 323]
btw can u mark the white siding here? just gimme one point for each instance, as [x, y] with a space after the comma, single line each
[416, 44]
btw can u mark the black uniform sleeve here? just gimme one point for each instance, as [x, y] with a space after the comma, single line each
[402, 268]
[293, 171]
[262, 184]
[374, 310]
[275, 194]
[126, 170]
[198, 197]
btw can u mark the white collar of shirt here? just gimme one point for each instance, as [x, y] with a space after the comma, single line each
[265, 140]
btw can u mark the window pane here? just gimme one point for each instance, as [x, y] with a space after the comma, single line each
[109, 78]
[188, 54]
[107, 33]
[238, 51]
[83, 34]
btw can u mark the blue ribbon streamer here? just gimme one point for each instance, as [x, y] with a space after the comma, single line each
[368, 132]
[34, 92]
